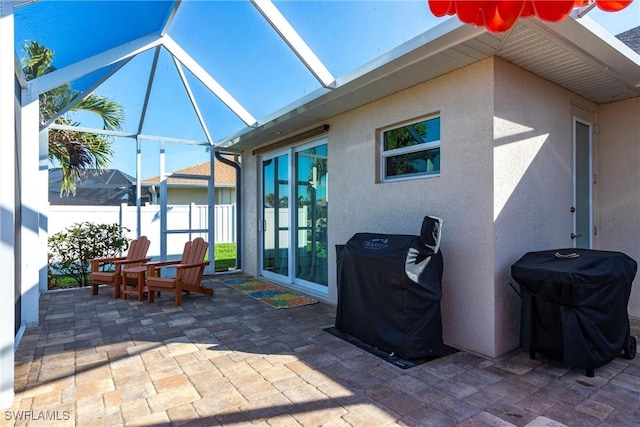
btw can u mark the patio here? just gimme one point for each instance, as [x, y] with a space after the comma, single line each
[231, 360]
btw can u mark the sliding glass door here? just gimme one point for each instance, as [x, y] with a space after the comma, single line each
[294, 191]
[311, 223]
[275, 215]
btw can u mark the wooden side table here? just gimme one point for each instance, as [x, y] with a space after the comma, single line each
[140, 287]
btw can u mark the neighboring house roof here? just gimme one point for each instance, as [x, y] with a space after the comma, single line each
[224, 176]
[100, 187]
[631, 38]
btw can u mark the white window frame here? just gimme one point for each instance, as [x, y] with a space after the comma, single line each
[384, 154]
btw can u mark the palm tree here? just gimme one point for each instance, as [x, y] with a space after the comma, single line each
[74, 152]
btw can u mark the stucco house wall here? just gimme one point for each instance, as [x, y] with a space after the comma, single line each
[506, 188]
[617, 189]
[250, 246]
[533, 179]
[462, 195]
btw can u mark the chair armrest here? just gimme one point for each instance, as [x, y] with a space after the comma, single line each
[154, 267]
[110, 259]
[199, 264]
[132, 261]
[95, 262]
[163, 263]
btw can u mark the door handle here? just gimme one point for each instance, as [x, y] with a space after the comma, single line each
[575, 236]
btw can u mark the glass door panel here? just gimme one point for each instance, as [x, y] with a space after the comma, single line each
[582, 186]
[311, 213]
[275, 214]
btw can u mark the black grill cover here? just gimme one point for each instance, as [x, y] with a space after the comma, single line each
[379, 304]
[575, 307]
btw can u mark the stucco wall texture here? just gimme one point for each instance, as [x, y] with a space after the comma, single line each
[617, 188]
[505, 188]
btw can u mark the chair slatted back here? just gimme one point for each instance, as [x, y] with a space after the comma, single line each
[138, 250]
[194, 252]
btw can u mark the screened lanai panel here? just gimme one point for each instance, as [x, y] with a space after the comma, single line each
[176, 99]
[168, 99]
[347, 34]
[239, 49]
[219, 119]
[127, 86]
[169, 111]
[76, 30]
[185, 156]
[84, 85]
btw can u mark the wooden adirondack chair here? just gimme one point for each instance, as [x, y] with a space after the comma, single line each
[136, 256]
[189, 271]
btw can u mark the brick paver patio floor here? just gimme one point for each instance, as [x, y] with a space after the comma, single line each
[233, 361]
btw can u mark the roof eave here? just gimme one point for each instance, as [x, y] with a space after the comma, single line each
[582, 38]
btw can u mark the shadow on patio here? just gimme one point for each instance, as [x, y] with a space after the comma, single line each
[231, 360]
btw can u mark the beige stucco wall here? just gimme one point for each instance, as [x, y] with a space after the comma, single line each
[533, 179]
[617, 189]
[250, 215]
[506, 188]
[462, 195]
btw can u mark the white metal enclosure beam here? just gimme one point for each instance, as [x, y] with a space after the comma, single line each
[206, 79]
[7, 202]
[147, 94]
[172, 14]
[295, 42]
[81, 68]
[122, 134]
[86, 92]
[192, 98]
[211, 181]
[33, 204]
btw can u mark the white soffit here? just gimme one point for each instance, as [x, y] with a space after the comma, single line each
[571, 55]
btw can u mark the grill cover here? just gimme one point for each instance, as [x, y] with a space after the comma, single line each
[575, 307]
[380, 304]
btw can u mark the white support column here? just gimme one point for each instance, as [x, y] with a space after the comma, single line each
[7, 202]
[163, 205]
[138, 187]
[211, 201]
[43, 204]
[33, 257]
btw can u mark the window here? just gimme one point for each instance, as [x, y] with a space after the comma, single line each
[411, 150]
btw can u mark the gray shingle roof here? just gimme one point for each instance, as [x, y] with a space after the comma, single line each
[631, 38]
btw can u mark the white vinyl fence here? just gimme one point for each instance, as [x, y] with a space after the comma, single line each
[179, 217]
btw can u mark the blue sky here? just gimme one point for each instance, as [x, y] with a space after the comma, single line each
[240, 50]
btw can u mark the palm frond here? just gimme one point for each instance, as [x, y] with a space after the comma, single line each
[74, 152]
[110, 111]
[38, 61]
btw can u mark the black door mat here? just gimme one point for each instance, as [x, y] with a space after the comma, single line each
[385, 355]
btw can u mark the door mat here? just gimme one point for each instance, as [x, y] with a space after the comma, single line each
[385, 355]
[273, 295]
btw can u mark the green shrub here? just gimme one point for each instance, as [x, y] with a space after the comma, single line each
[70, 250]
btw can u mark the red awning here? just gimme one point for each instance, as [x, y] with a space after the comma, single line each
[500, 15]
